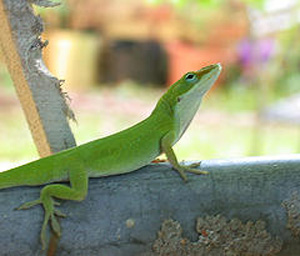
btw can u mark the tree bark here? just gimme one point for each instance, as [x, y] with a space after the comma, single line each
[122, 215]
[39, 91]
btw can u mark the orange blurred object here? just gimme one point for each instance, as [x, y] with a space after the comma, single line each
[183, 57]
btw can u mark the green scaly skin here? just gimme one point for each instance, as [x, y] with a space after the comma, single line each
[119, 153]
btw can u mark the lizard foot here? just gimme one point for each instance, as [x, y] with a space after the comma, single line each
[190, 168]
[51, 215]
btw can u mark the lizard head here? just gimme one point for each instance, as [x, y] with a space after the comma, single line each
[185, 96]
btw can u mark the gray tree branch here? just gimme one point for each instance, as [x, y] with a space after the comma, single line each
[39, 91]
[123, 214]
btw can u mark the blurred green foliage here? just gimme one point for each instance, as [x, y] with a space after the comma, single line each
[207, 3]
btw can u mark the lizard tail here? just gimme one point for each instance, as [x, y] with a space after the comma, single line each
[32, 174]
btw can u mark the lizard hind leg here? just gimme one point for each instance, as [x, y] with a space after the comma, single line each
[77, 191]
[50, 212]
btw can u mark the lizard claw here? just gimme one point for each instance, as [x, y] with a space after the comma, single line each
[56, 203]
[189, 168]
[28, 205]
[193, 168]
[59, 213]
[194, 165]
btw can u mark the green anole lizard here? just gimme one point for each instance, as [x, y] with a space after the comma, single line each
[119, 153]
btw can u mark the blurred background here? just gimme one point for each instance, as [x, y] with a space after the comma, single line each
[118, 57]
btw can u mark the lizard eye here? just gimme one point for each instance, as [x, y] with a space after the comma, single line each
[190, 77]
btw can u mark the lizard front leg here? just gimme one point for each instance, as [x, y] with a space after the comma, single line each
[77, 191]
[166, 145]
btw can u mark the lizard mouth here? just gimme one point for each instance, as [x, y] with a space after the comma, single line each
[203, 71]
